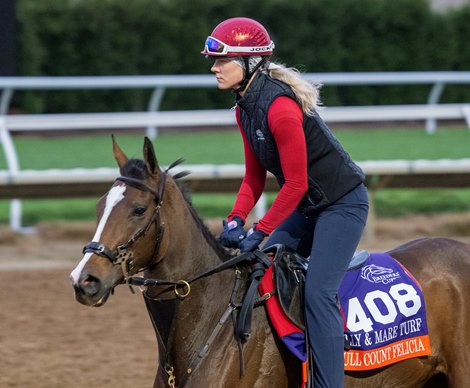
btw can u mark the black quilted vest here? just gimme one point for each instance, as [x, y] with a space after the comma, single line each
[331, 171]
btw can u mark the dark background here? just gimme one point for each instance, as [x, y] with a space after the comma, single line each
[8, 36]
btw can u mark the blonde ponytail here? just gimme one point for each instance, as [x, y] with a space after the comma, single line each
[307, 94]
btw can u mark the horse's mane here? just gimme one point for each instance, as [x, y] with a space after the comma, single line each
[209, 236]
[136, 168]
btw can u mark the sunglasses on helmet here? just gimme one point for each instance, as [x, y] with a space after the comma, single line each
[216, 47]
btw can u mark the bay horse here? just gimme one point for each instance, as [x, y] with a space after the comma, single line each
[147, 224]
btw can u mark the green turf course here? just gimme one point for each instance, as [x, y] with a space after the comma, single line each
[221, 147]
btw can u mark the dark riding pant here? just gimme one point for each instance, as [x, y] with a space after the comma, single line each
[330, 239]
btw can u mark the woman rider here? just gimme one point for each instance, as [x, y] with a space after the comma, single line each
[322, 205]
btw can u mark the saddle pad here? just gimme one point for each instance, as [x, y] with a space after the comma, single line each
[385, 314]
[290, 334]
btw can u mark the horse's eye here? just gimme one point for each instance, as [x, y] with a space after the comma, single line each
[139, 211]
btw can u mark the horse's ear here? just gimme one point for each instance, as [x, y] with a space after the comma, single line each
[119, 154]
[150, 158]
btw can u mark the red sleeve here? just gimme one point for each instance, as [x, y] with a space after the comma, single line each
[253, 182]
[285, 120]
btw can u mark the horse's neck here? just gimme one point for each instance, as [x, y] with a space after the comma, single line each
[187, 250]
[188, 253]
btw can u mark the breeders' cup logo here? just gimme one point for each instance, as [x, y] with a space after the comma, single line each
[375, 274]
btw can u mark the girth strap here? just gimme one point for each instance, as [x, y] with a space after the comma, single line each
[259, 268]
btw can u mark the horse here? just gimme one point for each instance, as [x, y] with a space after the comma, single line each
[147, 224]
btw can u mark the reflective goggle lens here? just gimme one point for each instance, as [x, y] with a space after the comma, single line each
[215, 46]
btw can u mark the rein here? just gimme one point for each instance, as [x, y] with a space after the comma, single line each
[231, 263]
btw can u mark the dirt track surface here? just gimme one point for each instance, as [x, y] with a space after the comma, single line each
[48, 340]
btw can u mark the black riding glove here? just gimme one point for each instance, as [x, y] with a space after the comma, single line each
[232, 233]
[252, 240]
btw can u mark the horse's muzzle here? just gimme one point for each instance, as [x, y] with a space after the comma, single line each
[90, 290]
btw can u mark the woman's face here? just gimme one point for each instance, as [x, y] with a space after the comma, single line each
[228, 74]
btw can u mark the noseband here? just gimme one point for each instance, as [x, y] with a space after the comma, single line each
[122, 255]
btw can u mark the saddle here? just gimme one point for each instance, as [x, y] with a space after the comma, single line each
[289, 273]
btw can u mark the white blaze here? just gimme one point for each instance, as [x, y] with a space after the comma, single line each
[115, 195]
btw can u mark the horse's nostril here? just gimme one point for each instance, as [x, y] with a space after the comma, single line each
[89, 284]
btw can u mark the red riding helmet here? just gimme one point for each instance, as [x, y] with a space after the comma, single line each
[238, 37]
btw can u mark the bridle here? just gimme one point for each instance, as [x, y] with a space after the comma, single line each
[122, 255]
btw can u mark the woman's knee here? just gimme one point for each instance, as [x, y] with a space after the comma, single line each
[320, 297]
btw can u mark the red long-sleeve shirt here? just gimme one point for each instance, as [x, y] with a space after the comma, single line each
[285, 123]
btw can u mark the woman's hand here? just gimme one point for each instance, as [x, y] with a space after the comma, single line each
[232, 233]
[252, 240]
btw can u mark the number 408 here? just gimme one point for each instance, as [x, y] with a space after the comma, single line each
[405, 296]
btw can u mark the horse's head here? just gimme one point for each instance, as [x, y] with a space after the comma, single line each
[129, 231]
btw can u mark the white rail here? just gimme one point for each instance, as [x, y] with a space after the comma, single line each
[228, 171]
[159, 83]
[223, 117]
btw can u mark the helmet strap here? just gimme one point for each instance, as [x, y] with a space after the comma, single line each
[248, 74]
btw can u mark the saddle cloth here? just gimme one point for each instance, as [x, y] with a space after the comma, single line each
[382, 306]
